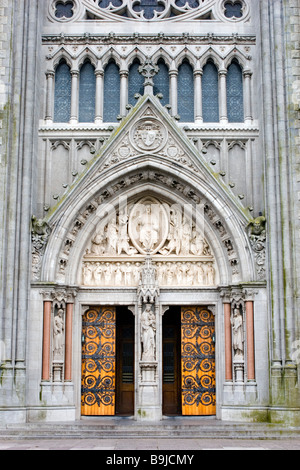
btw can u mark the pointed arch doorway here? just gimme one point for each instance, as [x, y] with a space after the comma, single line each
[189, 382]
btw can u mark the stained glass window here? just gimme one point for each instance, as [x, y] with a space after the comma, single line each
[186, 92]
[135, 82]
[233, 9]
[210, 93]
[162, 83]
[111, 107]
[64, 10]
[149, 7]
[190, 3]
[87, 93]
[62, 96]
[235, 98]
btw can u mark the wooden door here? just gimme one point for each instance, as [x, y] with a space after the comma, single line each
[198, 361]
[125, 362]
[98, 362]
[171, 362]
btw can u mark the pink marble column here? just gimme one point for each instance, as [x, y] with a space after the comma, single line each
[250, 339]
[68, 342]
[46, 341]
[228, 346]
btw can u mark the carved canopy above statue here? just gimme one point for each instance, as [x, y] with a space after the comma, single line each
[120, 243]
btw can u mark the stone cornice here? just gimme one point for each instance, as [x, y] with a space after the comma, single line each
[137, 38]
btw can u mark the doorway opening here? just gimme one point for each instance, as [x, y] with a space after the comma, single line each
[124, 362]
[171, 362]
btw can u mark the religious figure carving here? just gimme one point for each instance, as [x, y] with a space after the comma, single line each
[58, 334]
[238, 334]
[149, 227]
[148, 334]
[257, 237]
[40, 232]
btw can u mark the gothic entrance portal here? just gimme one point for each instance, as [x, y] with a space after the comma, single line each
[189, 362]
[107, 383]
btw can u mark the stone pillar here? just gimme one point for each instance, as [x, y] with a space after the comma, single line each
[46, 340]
[68, 341]
[74, 97]
[99, 96]
[247, 97]
[123, 91]
[50, 97]
[250, 339]
[173, 91]
[198, 95]
[228, 342]
[223, 96]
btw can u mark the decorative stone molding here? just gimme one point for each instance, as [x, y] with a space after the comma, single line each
[40, 232]
[257, 237]
[138, 38]
[124, 183]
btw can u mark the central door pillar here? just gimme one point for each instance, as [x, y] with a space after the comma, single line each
[149, 327]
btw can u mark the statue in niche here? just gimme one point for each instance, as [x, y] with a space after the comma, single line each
[238, 334]
[58, 334]
[148, 334]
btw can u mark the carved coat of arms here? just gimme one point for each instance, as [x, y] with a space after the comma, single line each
[148, 134]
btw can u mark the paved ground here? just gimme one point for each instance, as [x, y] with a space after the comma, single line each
[107, 446]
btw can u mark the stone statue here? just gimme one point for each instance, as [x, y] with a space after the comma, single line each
[238, 334]
[148, 334]
[58, 334]
[149, 228]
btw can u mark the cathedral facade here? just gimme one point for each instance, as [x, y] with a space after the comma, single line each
[149, 203]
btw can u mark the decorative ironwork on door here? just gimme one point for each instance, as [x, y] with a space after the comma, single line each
[198, 361]
[98, 362]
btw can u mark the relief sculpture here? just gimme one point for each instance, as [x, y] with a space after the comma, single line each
[180, 253]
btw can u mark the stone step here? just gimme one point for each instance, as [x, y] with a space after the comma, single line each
[134, 430]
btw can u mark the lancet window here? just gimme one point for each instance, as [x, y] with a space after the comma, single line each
[161, 82]
[87, 93]
[135, 82]
[235, 98]
[62, 99]
[186, 92]
[208, 94]
[111, 108]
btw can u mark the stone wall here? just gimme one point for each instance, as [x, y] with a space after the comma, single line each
[292, 34]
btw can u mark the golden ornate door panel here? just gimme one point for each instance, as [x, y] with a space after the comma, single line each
[98, 362]
[198, 361]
